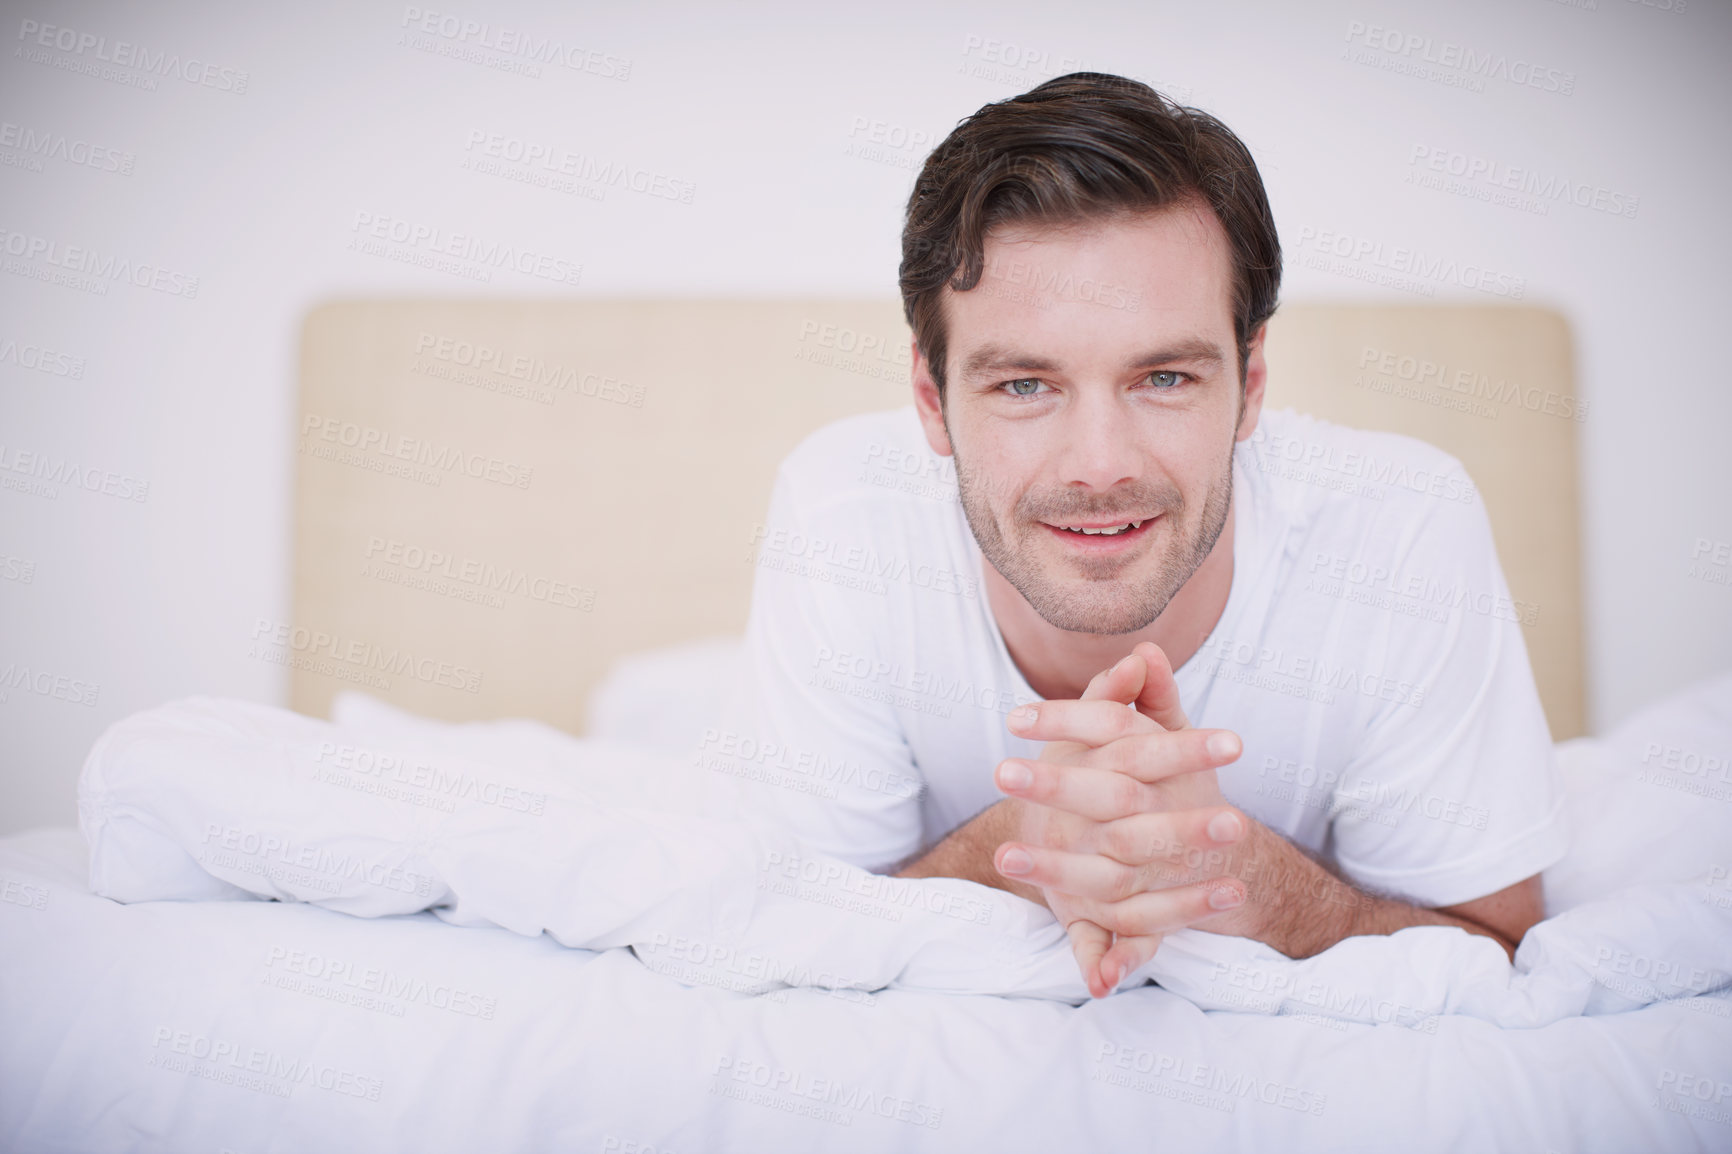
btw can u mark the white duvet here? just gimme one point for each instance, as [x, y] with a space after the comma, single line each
[770, 998]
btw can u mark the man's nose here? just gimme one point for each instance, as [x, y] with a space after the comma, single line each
[1100, 444]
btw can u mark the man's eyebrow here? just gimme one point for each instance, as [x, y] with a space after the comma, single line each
[1193, 351]
[999, 358]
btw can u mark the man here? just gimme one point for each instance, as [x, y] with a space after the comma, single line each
[1130, 563]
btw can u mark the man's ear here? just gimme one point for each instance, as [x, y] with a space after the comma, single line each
[1256, 376]
[928, 404]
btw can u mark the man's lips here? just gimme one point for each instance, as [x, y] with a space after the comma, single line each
[1068, 533]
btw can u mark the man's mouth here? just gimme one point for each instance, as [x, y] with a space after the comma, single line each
[1098, 534]
[1102, 531]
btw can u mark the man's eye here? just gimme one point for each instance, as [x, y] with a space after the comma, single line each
[1166, 379]
[1026, 387]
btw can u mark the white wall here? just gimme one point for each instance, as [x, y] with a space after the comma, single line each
[256, 195]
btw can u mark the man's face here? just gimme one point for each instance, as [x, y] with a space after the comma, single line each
[1093, 384]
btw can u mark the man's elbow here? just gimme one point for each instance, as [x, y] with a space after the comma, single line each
[1507, 915]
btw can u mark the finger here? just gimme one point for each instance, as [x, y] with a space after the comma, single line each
[1163, 754]
[1089, 943]
[1097, 794]
[1122, 683]
[1163, 911]
[1191, 841]
[1087, 876]
[1158, 699]
[1127, 955]
[1088, 722]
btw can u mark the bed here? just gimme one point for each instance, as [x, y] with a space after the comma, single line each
[425, 979]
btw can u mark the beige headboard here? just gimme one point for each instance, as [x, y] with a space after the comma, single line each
[497, 499]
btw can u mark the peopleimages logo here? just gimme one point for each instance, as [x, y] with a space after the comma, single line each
[353, 982]
[535, 373]
[1456, 61]
[1403, 368]
[45, 683]
[581, 167]
[384, 446]
[40, 359]
[44, 144]
[785, 1089]
[1418, 270]
[254, 1067]
[484, 577]
[47, 470]
[526, 47]
[1498, 177]
[1315, 459]
[373, 230]
[86, 46]
[364, 655]
[82, 261]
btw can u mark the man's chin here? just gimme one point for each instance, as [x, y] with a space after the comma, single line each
[1100, 609]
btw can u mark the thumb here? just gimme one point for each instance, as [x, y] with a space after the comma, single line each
[1089, 943]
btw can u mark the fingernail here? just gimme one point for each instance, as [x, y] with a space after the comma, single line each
[1223, 745]
[1225, 898]
[1115, 975]
[1023, 716]
[1015, 861]
[1225, 827]
[1015, 775]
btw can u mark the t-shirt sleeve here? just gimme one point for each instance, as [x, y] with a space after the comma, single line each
[816, 755]
[1452, 795]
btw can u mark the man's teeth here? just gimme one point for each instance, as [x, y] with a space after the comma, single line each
[1106, 532]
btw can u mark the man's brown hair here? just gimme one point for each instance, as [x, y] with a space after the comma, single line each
[1079, 147]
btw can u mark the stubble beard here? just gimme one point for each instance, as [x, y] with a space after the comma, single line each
[1105, 603]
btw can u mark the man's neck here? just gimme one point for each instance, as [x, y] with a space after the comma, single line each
[1059, 664]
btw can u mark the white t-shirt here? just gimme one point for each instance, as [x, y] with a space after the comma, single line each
[1369, 657]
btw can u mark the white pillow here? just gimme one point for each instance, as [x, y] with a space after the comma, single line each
[666, 698]
[623, 771]
[1651, 801]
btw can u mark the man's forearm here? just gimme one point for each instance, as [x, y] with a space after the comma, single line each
[966, 852]
[1295, 904]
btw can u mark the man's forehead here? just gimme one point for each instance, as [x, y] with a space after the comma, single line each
[1149, 246]
[1144, 288]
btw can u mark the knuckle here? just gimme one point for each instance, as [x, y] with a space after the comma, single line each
[1124, 883]
[1125, 922]
[1053, 835]
[1085, 910]
[1118, 841]
[1152, 842]
[1151, 755]
[1107, 917]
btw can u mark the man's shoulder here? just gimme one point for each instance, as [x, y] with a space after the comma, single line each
[1316, 468]
[1287, 434]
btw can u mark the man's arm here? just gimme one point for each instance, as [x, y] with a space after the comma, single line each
[789, 709]
[1129, 860]
[967, 851]
[1293, 902]
[1300, 907]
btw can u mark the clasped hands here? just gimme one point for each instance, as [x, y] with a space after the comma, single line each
[1121, 823]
